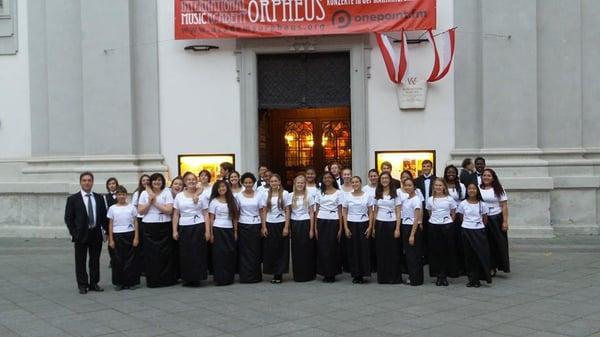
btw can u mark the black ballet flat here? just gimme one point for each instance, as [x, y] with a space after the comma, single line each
[444, 283]
[275, 281]
[469, 284]
[438, 282]
[476, 284]
[493, 272]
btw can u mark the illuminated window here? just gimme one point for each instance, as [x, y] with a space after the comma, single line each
[405, 160]
[336, 142]
[299, 143]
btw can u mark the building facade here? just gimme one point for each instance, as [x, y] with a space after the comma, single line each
[104, 86]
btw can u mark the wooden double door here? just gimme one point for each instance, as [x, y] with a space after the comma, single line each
[295, 139]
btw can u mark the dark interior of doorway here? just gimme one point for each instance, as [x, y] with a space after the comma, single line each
[304, 111]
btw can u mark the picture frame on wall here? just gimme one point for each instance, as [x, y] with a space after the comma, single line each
[197, 162]
[411, 160]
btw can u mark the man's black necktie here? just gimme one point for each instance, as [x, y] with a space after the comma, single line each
[90, 211]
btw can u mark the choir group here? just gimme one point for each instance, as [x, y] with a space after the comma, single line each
[248, 225]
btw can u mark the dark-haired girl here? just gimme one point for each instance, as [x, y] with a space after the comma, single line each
[372, 185]
[190, 215]
[494, 196]
[473, 212]
[387, 231]
[458, 192]
[275, 230]
[223, 214]
[176, 187]
[412, 232]
[110, 198]
[143, 183]
[123, 238]
[302, 225]
[156, 205]
[329, 228]
[249, 242]
[442, 248]
[235, 183]
[358, 226]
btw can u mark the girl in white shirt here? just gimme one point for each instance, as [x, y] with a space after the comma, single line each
[458, 192]
[123, 239]
[143, 182]
[329, 228]
[176, 187]
[442, 247]
[235, 183]
[387, 231]
[190, 215]
[223, 215]
[249, 242]
[358, 225]
[156, 206]
[412, 232]
[311, 181]
[473, 213]
[372, 185]
[302, 226]
[495, 198]
[276, 229]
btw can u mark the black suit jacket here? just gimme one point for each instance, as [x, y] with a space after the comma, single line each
[395, 184]
[420, 184]
[467, 177]
[110, 200]
[76, 217]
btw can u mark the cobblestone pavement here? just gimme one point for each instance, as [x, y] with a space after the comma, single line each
[554, 290]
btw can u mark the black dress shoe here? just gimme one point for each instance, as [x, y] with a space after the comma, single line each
[95, 287]
[83, 290]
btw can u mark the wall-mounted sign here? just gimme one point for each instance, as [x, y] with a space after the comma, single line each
[197, 162]
[206, 19]
[405, 160]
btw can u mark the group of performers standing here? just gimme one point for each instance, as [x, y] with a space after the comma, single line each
[248, 225]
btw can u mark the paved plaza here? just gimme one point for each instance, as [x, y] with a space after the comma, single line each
[554, 290]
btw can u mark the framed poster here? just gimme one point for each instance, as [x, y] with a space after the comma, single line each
[405, 160]
[198, 162]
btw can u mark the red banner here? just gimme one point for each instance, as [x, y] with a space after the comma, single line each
[206, 19]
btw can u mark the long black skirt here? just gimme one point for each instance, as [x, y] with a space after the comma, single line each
[159, 254]
[140, 248]
[304, 264]
[442, 251]
[276, 250]
[193, 250]
[223, 256]
[425, 235]
[460, 254]
[125, 263]
[328, 248]
[359, 249]
[413, 255]
[477, 254]
[388, 253]
[498, 240]
[249, 253]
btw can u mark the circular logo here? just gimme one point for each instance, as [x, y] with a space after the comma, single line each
[341, 19]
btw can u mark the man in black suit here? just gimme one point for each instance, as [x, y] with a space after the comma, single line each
[479, 167]
[85, 217]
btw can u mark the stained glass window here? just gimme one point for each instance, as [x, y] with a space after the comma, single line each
[336, 142]
[299, 144]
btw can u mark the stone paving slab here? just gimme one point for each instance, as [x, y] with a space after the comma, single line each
[553, 291]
